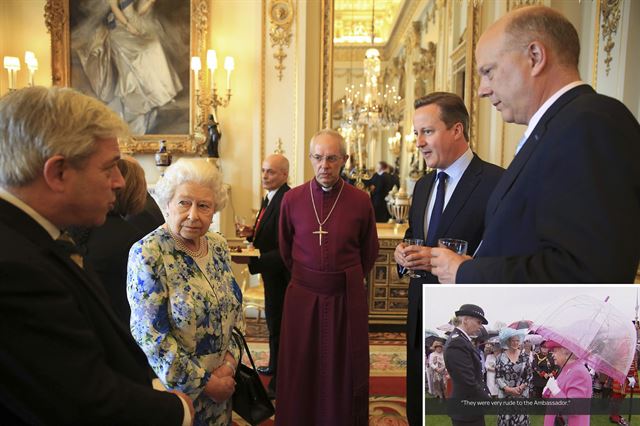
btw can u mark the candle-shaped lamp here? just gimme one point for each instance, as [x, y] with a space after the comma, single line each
[196, 66]
[12, 65]
[212, 65]
[229, 65]
[32, 64]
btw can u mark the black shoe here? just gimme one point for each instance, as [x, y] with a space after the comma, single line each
[267, 371]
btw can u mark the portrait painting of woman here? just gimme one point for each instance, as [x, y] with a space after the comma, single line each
[133, 55]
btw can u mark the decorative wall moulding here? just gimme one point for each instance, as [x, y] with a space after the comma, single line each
[610, 16]
[281, 14]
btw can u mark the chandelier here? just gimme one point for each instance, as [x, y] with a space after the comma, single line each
[368, 110]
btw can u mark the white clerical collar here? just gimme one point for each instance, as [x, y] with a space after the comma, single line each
[533, 122]
[28, 210]
[327, 189]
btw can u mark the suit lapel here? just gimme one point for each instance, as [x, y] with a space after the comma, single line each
[531, 145]
[274, 205]
[32, 231]
[468, 182]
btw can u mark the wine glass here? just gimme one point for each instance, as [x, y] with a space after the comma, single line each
[242, 228]
[458, 246]
[412, 242]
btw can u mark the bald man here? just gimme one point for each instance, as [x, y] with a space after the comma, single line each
[275, 172]
[567, 208]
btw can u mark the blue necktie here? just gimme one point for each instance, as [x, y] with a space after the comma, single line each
[436, 213]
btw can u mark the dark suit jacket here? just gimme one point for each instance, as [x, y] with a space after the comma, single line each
[382, 185]
[66, 359]
[463, 364]
[463, 218]
[567, 208]
[266, 238]
[108, 253]
[148, 219]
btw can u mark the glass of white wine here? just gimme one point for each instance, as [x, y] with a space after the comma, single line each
[458, 246]
[413, 242]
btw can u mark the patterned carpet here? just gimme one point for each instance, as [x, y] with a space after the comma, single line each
[387, 374]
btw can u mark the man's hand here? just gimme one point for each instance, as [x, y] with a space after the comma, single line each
[398, 254]
[445, 264]
[417, 258]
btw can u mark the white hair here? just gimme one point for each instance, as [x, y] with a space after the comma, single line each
[330, 132]
[196, 170]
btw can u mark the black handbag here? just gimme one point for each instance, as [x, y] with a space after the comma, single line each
[250, 398]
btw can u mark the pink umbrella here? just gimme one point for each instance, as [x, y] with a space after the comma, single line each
[521, 325]
[595, 331]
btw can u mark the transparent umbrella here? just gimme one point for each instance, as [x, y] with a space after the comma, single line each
[428, 333]
[595, 331]
[447, 328]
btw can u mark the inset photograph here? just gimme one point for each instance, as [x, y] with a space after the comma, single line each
[531, 355]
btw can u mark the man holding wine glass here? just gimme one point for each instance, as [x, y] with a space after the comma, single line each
[449, 202]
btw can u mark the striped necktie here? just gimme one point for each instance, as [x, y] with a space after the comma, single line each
[69, 246]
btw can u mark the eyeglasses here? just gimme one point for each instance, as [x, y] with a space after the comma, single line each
[329, 158]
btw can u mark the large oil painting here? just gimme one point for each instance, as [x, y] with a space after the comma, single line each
[134, 56]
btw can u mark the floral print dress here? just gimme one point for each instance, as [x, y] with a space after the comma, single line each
[182, 317]
[513, 374]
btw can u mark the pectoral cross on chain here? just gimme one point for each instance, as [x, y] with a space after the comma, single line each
[320, 232]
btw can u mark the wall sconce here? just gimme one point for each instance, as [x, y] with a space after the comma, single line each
[214, 99]
[32, 65]
[12, 65]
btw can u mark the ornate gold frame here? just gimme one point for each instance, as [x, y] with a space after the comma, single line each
[57, 21]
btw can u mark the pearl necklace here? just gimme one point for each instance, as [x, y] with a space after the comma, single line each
[200, 252]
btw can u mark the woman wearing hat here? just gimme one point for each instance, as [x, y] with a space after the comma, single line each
[513, 374]
[574, 381]
[436, 364]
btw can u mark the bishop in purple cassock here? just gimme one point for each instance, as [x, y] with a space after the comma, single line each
[328, 240]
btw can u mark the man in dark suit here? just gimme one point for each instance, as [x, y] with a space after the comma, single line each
[441, 124]
[275, 276]
[463, 364]
[380, 184]
[567, 208]
[66, 358]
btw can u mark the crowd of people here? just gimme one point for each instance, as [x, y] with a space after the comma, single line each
[511, 366]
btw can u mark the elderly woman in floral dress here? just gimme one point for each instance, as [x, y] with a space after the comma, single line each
[184, 298]
[513, 374]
